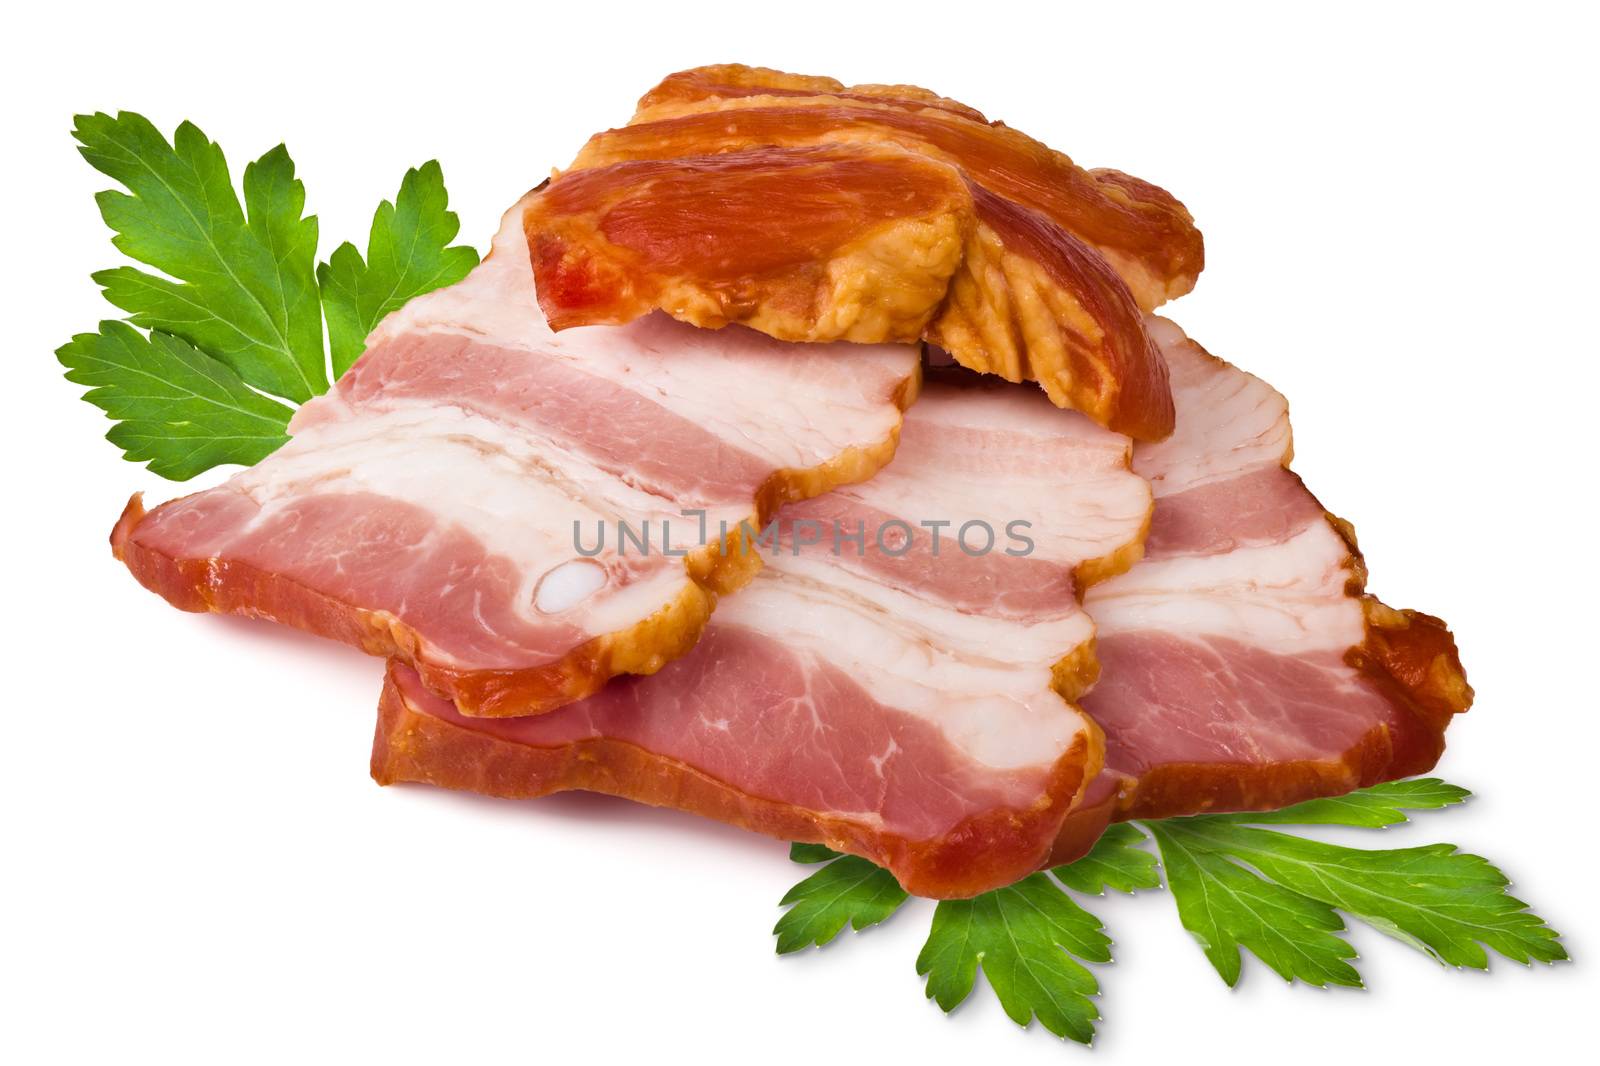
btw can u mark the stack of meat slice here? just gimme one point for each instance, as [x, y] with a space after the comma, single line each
[963, 665]
[1241, 666]
[892, 695]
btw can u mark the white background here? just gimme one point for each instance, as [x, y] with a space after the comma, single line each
[1401, 234]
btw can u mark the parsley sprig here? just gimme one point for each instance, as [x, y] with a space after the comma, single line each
[232, 313]
[1236, 885]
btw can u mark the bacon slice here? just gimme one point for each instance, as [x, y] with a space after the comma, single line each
[1243, 665]
[902, 705]
[432, 506]
[778, 201]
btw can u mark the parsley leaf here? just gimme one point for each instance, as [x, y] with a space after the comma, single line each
[1370, 808]
[848, 890]
[1028, 937]
[1118, 861]
[408, 253]
[174, 405]
[1226, 907]
[1278, 895]
[240, 288]
[1439, 900]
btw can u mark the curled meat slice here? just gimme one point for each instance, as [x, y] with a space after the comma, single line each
[1147, 235]
[851, 241]
[836, 242]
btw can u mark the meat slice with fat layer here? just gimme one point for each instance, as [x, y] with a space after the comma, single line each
[443, 503]
[1243, 666]
[873, 689]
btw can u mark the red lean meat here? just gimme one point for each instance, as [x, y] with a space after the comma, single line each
[432, 505]
[904, 705]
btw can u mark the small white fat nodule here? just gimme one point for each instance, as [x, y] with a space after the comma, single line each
[565, 586]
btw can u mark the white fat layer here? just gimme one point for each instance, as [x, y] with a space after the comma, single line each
[1216, 403]
[1287, 598]
[983, 682]
[1007, 455]
[792, 405]
[519, 495]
